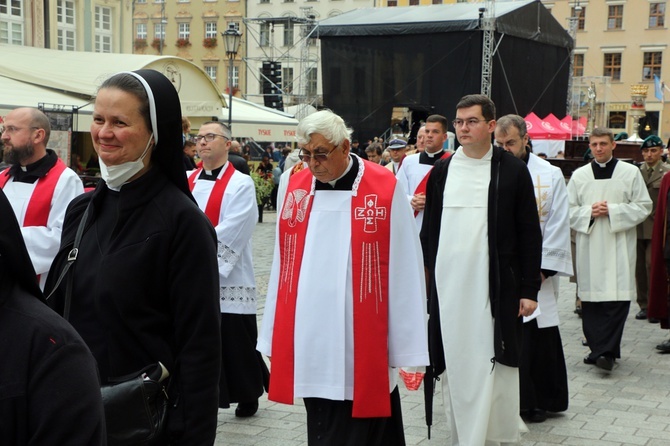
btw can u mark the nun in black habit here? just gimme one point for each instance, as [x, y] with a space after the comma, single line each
[48, 379]
[145, 283]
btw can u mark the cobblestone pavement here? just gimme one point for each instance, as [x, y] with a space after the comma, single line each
[629, 406]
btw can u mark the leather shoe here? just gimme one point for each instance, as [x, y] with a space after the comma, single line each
[664, 346]
[245, 410]
[641, 315]
[653, 320]
[585, 343]
[578, 311]
[588, 360]
[534, 415]
[605, 363]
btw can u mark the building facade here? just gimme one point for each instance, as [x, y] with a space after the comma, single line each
[620, 44]
[192, 30]
[70, 25]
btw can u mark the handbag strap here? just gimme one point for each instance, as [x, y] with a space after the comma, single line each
[71, 258]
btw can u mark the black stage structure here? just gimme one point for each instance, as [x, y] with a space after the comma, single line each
[426, 58]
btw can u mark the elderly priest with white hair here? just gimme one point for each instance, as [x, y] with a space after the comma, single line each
[346, 298]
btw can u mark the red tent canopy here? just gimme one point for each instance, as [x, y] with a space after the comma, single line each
[577, 128]
[539, 129]
[562, 132]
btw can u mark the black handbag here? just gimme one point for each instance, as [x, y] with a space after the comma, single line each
[136, 404]
[136, 408]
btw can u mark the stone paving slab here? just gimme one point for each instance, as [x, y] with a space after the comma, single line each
[628, 406]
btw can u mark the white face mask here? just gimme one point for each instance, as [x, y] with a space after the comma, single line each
[116, 176]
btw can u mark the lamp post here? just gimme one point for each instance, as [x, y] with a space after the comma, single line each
[231, 40]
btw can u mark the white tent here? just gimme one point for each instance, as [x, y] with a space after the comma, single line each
[264, 124]
[73, 77]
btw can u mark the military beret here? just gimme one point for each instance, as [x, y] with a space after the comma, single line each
[651, 141]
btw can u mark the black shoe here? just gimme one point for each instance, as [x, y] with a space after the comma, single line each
[664, 346]
[653, 320]
[641, 315]
[585, 343]
[588, 360]
[578, 311]
[537, 415]
[605, 363]
[245, 410]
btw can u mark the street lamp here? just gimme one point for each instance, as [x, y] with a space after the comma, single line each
[231, 40]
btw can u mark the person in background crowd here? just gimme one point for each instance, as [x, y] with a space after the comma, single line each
[228, 198]
[374, 153]
[39, 185]
[265, 167]
[482, 249]
[543, 377]
[334, 328]
[41, 352]
[421, 139]
[185, 129]
[608, 199]
[189, 155]
[144, 288]
[284, 153]
[236, 159]
[653, 169]
[386, 156]
[659, 302]
[413, 175]
[397, 149]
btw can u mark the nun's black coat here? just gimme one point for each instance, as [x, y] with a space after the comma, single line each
[146, 285]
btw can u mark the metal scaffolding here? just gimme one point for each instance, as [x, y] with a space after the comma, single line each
[301, 56]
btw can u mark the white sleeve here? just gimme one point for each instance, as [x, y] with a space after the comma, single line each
[43, 241]
[237, 220]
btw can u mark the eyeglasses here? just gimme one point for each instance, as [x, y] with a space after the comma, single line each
[11, 129]
[469, 122]
[208, 137]
[318, 157]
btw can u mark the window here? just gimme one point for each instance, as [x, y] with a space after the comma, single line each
[184, 31]
[210, 30]
[140, 1]
[288, 34]
[578, 66]
[391, 3]
[656, 15]
[617, 120]
[265, 1]
[233, 25]
[265, 34]
[615, 17]
[612, 66]
[141, 31]
[103, 29]
[414, 2]
[211, 72]
[437, 2]
[235, 76]
[310, 90]
[66, 32]
[159, 31]
[11, 21]
[652, 65]
[581, 14]
[287, 80]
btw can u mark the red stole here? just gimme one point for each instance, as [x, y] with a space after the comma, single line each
[421, 187]
[658, 281]
[39, 206]
[370, 235]
[213, 208]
